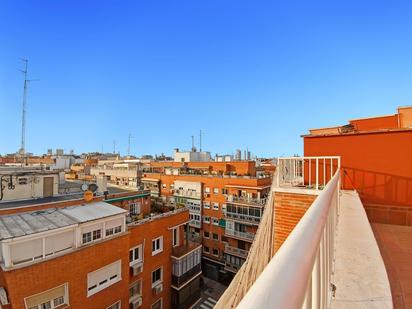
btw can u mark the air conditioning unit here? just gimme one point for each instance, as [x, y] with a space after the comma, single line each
[158, 289]
[137, 303]
[136, 269]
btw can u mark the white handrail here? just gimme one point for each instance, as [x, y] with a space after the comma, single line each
[300, 272]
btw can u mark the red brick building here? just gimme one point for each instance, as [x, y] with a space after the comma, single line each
[225, 200]
[111, 252]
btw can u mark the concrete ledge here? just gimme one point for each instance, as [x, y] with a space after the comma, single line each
[360, 275]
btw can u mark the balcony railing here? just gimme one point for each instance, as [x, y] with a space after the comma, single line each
[246, 200]
[186, 193]
[242, 217]
[299, 274]
[195, 223]
[178, 281]
[236, 251]
[238, 234]
[306, 172]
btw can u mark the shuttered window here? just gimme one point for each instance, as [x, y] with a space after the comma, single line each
[49, 299]
[103, 277]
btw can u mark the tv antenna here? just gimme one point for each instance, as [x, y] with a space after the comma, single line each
[23, 120]
[128, 143]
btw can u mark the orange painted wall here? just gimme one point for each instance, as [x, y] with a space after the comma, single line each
[378, 165]
[376, 123]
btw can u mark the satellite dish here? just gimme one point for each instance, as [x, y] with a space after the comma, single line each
[92, 187]
[84, 187]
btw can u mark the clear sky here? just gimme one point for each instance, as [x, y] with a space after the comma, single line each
[253, 74]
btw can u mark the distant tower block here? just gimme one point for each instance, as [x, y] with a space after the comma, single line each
[238, 156]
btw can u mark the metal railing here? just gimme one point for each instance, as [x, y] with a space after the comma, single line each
[307, 172]
[299, 274]
[244, 235]
[187, 193]
[246, 200]
[236, 251]
[241, 217]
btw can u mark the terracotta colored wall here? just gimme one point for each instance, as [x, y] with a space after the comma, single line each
[376, 123]
[289, 209]
[240, 167]
[377, 165]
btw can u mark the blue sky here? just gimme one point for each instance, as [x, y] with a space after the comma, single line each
[253, 74]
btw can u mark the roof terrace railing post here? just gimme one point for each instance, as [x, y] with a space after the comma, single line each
[317, 173]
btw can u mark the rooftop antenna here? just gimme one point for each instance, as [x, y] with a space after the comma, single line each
[114, 146]
[23, 120]
[200, 141]
[128, 145]
[193, 144]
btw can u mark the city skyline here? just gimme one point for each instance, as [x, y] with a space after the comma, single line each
[162, 72]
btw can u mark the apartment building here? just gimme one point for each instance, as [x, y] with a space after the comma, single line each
[111, 252]
[118, 172]
[18, 183]
[225, 201]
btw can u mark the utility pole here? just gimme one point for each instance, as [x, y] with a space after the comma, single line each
[128, 144]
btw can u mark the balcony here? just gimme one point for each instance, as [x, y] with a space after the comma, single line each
[188, 194]
[195, 223]
[242, 218]
[241, 235]
[246, 200]
[323, 262]
[236, 251]
[186, 263]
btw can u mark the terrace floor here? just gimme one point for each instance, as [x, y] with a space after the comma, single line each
[395, 244]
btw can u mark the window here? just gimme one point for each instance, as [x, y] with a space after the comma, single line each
[206, 219]
[114, 306]
[22, 181]
[206, 234]
[156, 277]
[49, 299]
[157, 245]
[215, 251]
[135, 289]
[215, 236]
[224, 191]
[215, 190]
[103, 277]
[216, 206]
[206, 205]
[206, 249]
[113, 230]
[97, 234]
[134, 209]
[136, 255]
[175, 240]
[157, 304]
[207, 190]
[215, 221]
[87, 237]
[164, 186]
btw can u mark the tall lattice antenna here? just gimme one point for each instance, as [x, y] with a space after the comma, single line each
[200, 140]
[128, 144]
[23, 119]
